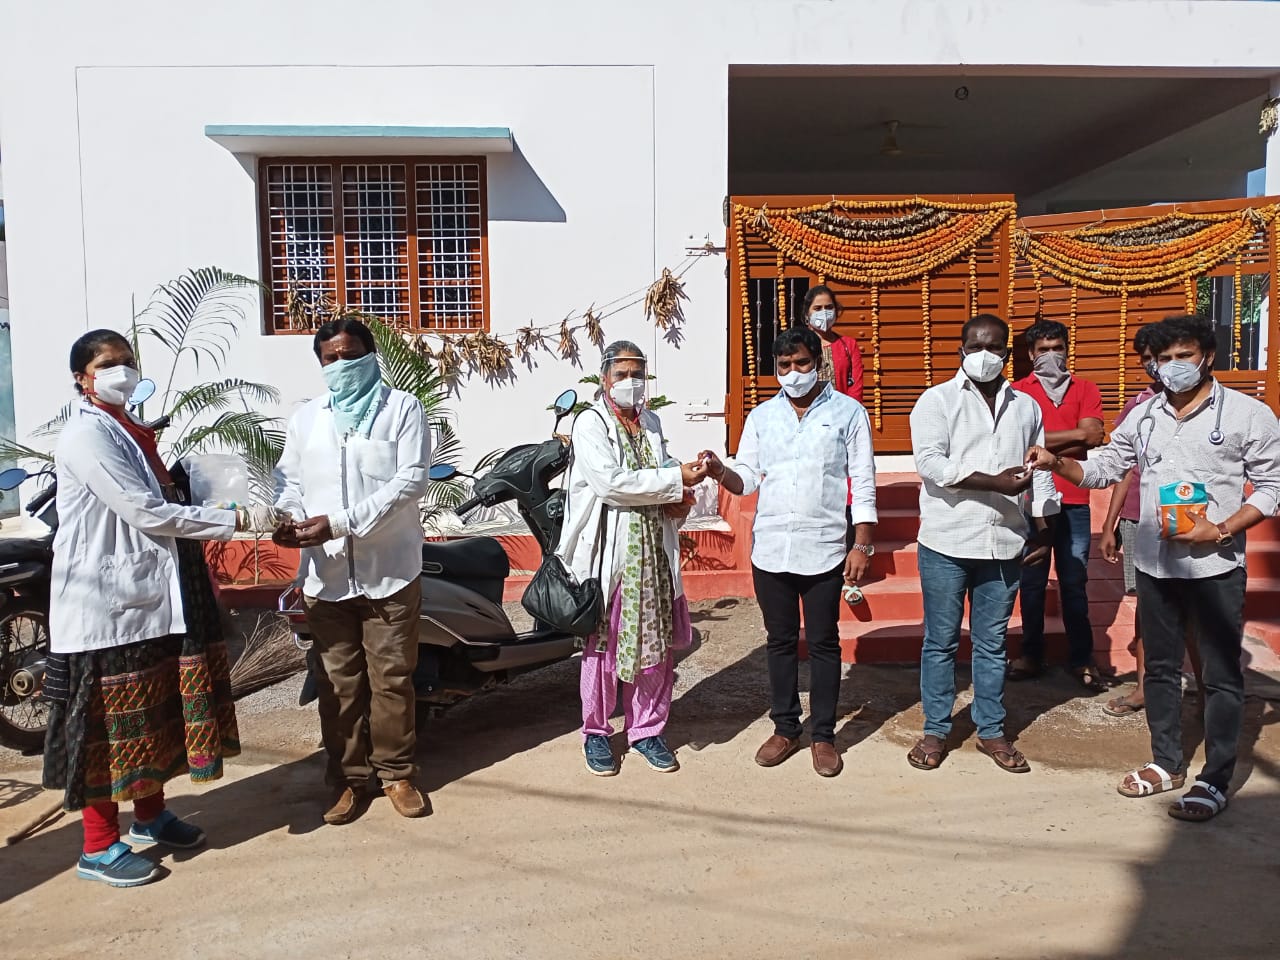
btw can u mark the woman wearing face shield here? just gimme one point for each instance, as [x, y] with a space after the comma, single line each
[626, 499]
[137, 678]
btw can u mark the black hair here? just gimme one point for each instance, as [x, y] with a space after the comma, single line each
[87, 346]
[1150, 337]
[1188, 326]
[785, 343]
[814, 293]
[356, 328]
[1045, 330]
[983, 320]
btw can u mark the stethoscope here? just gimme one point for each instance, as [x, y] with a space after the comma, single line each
[1216, 436]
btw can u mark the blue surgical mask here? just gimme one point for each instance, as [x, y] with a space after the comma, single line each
[354, 389]
[1179, 376]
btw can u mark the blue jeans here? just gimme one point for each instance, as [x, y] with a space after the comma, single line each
[1071, 539]
[991, 586]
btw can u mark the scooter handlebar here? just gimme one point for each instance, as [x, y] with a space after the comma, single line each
[466, 506]
[41, 498]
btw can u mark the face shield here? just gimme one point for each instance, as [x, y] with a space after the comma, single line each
[624, 379]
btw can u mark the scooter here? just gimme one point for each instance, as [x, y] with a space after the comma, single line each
[26, 565]
[466, 642]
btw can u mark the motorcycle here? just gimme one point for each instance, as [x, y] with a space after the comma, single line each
[466, 642]
[26, 564]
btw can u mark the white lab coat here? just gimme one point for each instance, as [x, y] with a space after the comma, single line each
[598, 478]
[368, 486]
[115, 561]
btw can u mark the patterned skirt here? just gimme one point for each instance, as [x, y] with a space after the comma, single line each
[125, 720]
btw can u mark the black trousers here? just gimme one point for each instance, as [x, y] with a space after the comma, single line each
[1216, 604]
[780, 596]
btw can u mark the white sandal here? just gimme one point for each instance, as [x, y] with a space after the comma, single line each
[1141, 787]
[1206, 808]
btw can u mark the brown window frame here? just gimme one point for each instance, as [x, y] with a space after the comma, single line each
[416, 322]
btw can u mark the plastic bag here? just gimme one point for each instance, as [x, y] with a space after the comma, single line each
[219, 479]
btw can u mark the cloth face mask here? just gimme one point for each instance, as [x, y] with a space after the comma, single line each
[982, 366]
[115, 385]
[797, 384]
[354, 388]
[1051, 370]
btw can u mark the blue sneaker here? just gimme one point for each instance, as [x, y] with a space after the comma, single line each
[168, 831]
[600, 758]
[657, 754]
[118, 866]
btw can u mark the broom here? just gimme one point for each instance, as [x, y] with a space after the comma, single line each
[269, 656]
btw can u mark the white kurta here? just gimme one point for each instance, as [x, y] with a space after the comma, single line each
[598, 479]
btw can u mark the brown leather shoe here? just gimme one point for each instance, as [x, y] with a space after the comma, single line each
[826, 760]
[776, 749]
[343, 807]
[405, 798]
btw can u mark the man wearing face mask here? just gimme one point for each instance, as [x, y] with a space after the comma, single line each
[353, 470]
[967, 436]
[804, 450]
[626, 499]
[1072, 410]
[1198, 444]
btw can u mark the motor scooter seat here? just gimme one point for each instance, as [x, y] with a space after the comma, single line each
[20, 549]
[472, 558]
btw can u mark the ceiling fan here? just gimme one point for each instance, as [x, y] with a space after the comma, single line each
[890, 146]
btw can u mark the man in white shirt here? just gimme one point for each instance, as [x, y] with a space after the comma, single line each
[355, 463]
[806, 450]
[967, 437]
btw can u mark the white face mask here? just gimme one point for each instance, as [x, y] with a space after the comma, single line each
[1179, 376]
[115, 385]
[797, 384]
[822, 318]
[982, 366]
[628, 394]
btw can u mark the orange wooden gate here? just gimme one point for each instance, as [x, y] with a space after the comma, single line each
[908, 328]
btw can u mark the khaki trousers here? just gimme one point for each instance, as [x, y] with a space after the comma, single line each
[368, 649]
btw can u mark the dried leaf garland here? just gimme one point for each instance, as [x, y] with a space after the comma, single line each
[662, 301]
[1269, 119]
[447, 357]
[568, 345]
[488, 354]
[528, 339]
[591, 326]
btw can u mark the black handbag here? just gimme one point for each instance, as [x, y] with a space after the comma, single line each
[557, 599]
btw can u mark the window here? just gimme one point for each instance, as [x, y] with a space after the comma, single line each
[404, 239]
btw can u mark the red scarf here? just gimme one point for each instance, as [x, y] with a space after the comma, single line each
[145, 437]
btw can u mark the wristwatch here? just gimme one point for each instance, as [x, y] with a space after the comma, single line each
[868, 548]
[1225, 539]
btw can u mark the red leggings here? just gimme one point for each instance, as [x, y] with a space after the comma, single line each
[102, 820]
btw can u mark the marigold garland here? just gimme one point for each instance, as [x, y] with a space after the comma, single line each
[782, 293]
[1071, 344]
[1189, 294]
[1237, 292]
[973, 282]
[744, 295]
[1124, 336]
[926, 330]
[875, 354]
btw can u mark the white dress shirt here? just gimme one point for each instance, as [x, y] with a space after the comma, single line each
[368, 487]
[1168, 450]
[955, 434]
[598, 480]
[805, 468]
[115, 562]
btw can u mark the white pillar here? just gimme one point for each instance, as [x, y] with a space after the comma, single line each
[1271, 185]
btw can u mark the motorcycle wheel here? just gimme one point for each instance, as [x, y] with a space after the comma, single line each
[24, 639]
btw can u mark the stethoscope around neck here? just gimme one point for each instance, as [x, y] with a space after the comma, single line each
[1216, 436]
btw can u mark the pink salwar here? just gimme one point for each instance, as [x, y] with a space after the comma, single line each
[646, 703]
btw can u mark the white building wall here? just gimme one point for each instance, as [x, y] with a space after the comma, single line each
[619, 109]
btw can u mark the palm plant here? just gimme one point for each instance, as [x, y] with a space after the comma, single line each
[195, 320]
[404, 368]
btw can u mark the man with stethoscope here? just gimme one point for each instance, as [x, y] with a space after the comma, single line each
[1198, 443]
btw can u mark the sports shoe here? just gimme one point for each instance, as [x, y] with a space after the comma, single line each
[600, 758]
[167, 830]
[657, 754]
[118, 866]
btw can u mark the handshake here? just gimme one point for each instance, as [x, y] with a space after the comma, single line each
[263, 518]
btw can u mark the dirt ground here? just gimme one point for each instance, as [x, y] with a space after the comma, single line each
[526, 855]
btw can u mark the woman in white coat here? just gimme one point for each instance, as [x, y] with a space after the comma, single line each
[137, 676]
[626, 500]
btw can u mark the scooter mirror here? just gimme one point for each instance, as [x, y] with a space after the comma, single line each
[441, 472]
[144, 391]
[13, 478]
[565, 402]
